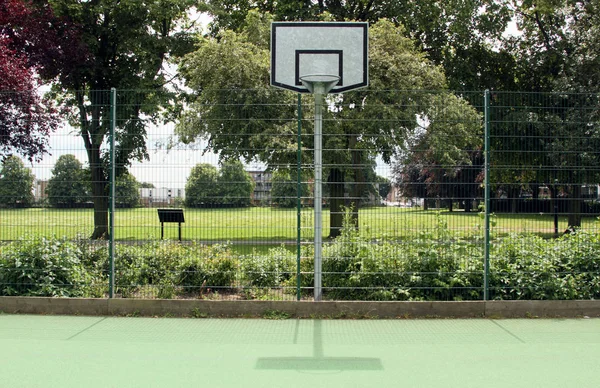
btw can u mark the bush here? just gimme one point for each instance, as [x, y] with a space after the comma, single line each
[307, 278]
[529, 267]
[167, 268]
[356, 266]
[46, 267]
[153, 264]
[208, 267]
[270, 270]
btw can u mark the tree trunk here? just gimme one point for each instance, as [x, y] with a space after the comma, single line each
[513, 195]
[468, 205]
[99, 194]
[336, 201]
[450, 205]
[575, 201]
[92, 132]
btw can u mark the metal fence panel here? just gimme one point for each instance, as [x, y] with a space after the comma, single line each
[229, 212]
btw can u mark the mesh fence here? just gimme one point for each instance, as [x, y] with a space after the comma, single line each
[219, 203]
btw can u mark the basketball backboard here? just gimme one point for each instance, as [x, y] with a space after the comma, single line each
[301, 49]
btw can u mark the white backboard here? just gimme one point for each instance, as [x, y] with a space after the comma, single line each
[300, 49]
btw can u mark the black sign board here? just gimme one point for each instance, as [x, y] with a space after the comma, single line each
[170, 215]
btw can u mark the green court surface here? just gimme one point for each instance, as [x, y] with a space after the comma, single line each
[59, 351]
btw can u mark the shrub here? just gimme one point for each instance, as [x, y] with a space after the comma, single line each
[151, 266]
[208, 266]
[356, 266]
[270, 270]
[529, 267]
[46, 267]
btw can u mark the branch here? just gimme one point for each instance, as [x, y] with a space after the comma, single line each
[540, 25]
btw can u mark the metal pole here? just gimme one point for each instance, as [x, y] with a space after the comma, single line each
[111, 232]
[299, 199]
[486, 263]
[555, 208]
[319, 91]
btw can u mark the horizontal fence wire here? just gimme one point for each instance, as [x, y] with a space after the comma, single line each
[215, 200]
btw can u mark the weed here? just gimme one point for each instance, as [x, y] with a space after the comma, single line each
[275, 314]
[196, 313]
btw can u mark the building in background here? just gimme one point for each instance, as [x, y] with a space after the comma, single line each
[39, 190]
[262, 188]
[162, 197]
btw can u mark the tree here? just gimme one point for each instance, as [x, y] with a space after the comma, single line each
[127, 44]
[201, 189]
[26, 49]
[16, 183]
[209, 187]
[465, 37]
[360, 125]
[383, 186]
[416, 174]
[443, 159]
[127, 193]
[69, 185]
[284, 189]
[235, 184]
[557, 52]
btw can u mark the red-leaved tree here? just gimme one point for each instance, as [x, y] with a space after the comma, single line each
[34, 45]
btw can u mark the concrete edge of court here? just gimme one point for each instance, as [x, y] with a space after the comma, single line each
[325, 309]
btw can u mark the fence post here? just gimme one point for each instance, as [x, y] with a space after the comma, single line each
[111, 232]
[486, 151]
[299, 198]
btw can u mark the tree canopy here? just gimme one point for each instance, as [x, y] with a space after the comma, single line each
[127, 44]
[16, 183]
[260, 123]
[464, 37]
[32, 42]
[229, 186]
[69, 185]
[127, 193]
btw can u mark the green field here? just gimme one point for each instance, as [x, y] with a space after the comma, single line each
[262, 225]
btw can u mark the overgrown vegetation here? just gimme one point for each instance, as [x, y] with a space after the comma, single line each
[438, 265]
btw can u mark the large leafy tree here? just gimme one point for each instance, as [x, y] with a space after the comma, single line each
[16, 183]
[551, 136]
[127, 44]
[443, 159]
[68, 187]
[32, 42]
[229, 186]
[127, 193]
[259, 123]
[201, 189]
[465, 37]
[235, 184]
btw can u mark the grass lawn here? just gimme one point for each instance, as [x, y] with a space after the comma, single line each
[258, 226]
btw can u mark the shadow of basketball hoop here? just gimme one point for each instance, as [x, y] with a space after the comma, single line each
[319, 362]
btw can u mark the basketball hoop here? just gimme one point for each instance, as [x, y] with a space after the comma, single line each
[319, 83]
[319, 58]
